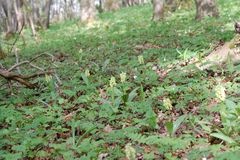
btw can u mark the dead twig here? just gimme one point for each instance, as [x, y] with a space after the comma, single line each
[17, 59]
[10, 75]
[15, 41]
[22, 79]
[30, 61]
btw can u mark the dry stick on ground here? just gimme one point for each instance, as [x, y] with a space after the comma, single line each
[9, 75]
[23, 79]
[17, 59]
[30, 62]
[16, 39]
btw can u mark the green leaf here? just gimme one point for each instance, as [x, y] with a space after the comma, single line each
[142, 93]
[149, 156]
[177, 123]
[105, 64]
[230, 104]
[173, 126]
[70, 93]
[169, 126]
[85, 79]
[61, 100]
[117, 92]
[19, 148]
[4, 132]
[132, 94]
[151, 119]
[12, 156]
[223, 137]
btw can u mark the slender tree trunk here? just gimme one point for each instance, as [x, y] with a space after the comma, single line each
[13, 16]
[31, 23]
[11, 25]
[46, 14]
[29, 16]
[169, 2]
[158, 9]
[2, 54]
[125, 3]
[70, 10]
[87, 10]
[172, 4]
[101, 4]
[18, 7]
[111, 5]
[206, 8]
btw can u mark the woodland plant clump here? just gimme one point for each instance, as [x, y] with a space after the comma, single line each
[128, 88]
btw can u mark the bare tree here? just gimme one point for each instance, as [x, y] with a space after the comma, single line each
[40, 11]
[18, 8]
[128, 3]
[111, 5]
[169, 2]
[10, 18]
[29, 17]
[2, 54]
[206, 8]
[158, 9]
[87, 10]
[46, 14]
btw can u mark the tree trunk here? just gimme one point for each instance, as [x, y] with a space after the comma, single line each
[206, 8]
[46, 14]
[169, 2]
[2, 54]
[111, 5]
[18, 7]
[158, 9]
[125, 3]
[87, 10]
[10, 21]
[29, 16]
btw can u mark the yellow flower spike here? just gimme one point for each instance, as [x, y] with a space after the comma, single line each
[167, 103]
[87, 73]
[48, 78]
[130, 152]
[80, 51]
[220, 92]
[123, 77]
[112, 82]
[141, 59]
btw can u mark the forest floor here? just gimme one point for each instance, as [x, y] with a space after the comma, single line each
[128, 87]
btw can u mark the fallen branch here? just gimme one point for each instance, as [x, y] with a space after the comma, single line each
[22, 79]
[30, 61]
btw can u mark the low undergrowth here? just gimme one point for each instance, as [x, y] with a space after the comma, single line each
[127, 91]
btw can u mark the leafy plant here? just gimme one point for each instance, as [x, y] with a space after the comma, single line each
[173, 126]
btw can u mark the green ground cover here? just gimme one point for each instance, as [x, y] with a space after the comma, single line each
[162, 114]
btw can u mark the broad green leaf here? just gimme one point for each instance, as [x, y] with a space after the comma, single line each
[105, 64]
[132, 94]
[117, 92]
[169, 126]
[177, 123]
[151, 118]
[230, 104]
[69, 92]
[85, 79]
[223, 137]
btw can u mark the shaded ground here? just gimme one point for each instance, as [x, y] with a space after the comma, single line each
[166, 108]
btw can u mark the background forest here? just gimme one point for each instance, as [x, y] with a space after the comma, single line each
[119, 79]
